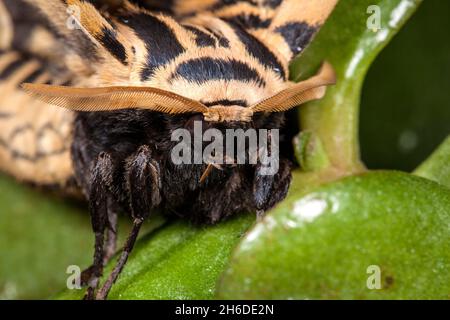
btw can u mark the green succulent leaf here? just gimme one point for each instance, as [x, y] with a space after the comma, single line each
[377, 235]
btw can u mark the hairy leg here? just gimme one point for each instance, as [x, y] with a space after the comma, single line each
[143, 184]
[268, 190]
[101, 176]
[111, 233]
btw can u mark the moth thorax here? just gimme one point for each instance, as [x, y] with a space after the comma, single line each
[228, 114]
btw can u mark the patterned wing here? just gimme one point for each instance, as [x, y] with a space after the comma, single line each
[35, 138]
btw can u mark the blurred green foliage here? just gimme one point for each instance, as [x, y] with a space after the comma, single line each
[405, 106]
[40, 236]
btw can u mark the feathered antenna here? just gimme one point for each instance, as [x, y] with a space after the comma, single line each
[299, 93]
[114, 98]
[154, 99]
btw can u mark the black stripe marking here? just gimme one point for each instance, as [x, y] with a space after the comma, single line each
[272, 3]
[250, 21]
[160, 41]
[259, 51]
[205, 69]
[225, 3]
[223, 42]
[202, 39]
[226, 102]
[34, 75]
[297, 35]
[157, 5]
[108, 39]
[11, 68]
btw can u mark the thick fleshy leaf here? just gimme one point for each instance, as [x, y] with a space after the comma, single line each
[346, 238]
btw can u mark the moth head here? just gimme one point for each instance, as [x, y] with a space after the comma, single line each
[228, 114]
[154, 99]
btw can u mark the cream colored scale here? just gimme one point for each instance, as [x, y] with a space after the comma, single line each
[35, 137]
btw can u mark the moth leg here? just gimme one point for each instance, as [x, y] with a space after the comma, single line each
[110, 245]
[98, 209]
[128, 247]
[268, 190]
[111, 233]
[144, 185]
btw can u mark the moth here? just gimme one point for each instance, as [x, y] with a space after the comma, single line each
[125, 74]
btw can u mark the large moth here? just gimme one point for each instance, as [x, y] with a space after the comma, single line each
[126, 74]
